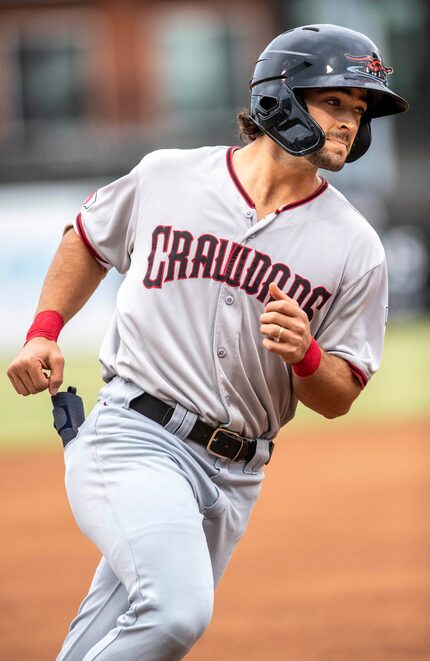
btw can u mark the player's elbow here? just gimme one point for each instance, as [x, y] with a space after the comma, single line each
[336, 412]
[338, 407]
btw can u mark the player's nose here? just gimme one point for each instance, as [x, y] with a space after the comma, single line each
[349, 119]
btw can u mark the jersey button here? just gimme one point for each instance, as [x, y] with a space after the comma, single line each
[248, 213]
[221, 353]
[229, 300]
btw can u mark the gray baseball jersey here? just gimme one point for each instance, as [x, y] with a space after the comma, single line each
[198, 263]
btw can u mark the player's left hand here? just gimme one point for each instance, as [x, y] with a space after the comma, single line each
[285, 326]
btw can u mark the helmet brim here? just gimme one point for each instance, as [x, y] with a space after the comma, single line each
[381, 100]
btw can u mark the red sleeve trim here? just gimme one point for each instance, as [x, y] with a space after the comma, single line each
[359, 375]
[85, 240]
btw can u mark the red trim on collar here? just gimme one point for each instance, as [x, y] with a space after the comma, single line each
[233, 175]
[248, 199]
[323, 186]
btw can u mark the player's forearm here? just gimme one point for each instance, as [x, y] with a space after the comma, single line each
[331, 390]
[322, 382]
[71, 279]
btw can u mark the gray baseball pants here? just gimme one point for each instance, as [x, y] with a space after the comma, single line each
[166, 516]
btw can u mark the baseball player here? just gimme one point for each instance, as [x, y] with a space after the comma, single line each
[250, 284]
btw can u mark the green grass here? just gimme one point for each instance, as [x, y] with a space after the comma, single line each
[399, 391]
[28, 420]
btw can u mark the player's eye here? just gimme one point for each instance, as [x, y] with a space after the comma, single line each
[333, 101]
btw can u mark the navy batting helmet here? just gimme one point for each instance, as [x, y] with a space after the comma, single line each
[318, 56]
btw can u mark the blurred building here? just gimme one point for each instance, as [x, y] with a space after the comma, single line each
[87, 87]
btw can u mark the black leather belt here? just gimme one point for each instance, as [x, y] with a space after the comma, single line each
[218, 441]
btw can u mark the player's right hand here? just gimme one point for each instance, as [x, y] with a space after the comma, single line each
[28, 372]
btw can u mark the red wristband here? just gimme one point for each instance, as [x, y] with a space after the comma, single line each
[46, 324]
[310, 362]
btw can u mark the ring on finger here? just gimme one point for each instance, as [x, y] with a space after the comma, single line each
[280, 331]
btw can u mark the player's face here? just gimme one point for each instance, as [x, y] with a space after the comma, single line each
[338, 112]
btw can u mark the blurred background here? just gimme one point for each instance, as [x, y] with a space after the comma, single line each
[87, 88]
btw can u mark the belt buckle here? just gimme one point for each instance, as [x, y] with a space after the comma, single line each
[215, 450]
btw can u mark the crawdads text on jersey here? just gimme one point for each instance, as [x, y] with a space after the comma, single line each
[178, 255]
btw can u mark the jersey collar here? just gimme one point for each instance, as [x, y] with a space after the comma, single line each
[248, 199]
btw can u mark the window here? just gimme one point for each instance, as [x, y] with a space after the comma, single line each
[49, 84]
[200, 56]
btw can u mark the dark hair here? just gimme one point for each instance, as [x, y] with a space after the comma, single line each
[248, 129]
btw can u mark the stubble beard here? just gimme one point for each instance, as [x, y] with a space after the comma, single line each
[326, 158]
[326, 161]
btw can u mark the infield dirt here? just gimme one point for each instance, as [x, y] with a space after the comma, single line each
[334, 565]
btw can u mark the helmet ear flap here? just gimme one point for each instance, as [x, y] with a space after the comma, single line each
[268, 103]
[300, 97]
[362, 141]
[284, 119]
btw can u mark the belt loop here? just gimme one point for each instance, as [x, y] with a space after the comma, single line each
[188, 422]
[261, 456]
[176, 420]
[181, 422]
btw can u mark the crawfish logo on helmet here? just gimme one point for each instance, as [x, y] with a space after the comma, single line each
[369, 65]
